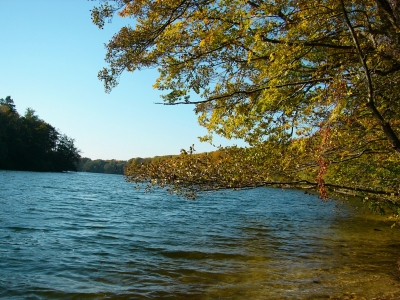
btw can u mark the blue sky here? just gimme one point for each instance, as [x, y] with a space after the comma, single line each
[50, 53]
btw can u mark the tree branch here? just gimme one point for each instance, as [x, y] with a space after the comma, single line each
[297, 183]
[387, 129]
[309, 44]
[248, 92]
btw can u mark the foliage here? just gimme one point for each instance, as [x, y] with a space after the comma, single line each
[268, 164]
[29, 143]
[8, 102]
[305, 83]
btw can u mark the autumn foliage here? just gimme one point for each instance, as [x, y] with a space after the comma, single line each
[312, 86]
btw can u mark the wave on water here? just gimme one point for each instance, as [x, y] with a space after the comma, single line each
[92, 236]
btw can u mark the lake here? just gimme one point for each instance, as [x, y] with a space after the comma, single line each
[93, 236]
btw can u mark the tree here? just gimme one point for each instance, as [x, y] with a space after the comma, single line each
[9, 129]
[9, 102]
[66, 155]
[38, 142]
[319, 76]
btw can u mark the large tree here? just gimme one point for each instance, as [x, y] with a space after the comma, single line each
[321, 77]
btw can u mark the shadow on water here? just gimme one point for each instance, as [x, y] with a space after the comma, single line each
[92, 236]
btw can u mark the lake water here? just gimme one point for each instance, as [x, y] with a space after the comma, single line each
[93, 236]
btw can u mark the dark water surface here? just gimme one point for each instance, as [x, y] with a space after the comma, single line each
[92, 236]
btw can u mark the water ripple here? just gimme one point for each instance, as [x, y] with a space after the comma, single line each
[92, 236]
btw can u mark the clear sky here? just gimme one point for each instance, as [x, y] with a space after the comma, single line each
[50, 53]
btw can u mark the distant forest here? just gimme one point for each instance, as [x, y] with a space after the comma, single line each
[113, 166]
[28, 143]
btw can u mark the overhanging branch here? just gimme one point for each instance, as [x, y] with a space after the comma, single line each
[386, 127]
[224, 96]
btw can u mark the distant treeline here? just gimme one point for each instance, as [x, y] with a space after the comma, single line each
[101, 166]
[113, 166]
[28, 143]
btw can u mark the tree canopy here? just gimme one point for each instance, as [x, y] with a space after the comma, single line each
[29, 143]
[308, 84]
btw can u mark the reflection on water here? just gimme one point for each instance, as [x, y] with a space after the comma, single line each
[91, 236]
